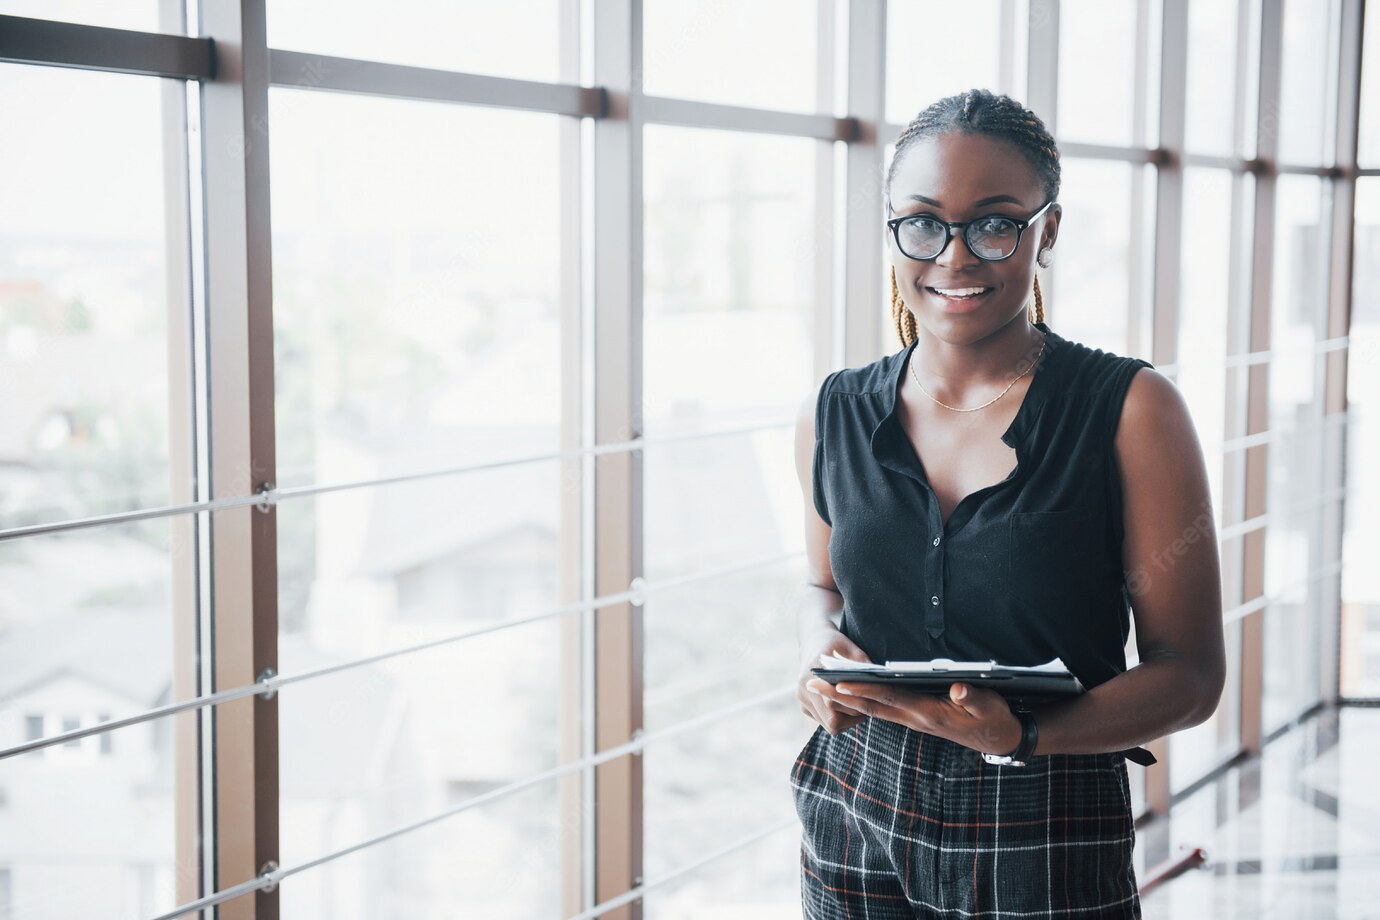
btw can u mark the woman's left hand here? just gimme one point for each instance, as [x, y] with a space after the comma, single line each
[971, 716]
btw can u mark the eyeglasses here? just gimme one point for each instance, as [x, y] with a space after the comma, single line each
[991, 238]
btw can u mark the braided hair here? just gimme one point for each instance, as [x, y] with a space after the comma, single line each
[978, 111]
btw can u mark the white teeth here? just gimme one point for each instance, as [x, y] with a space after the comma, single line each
[960, 292]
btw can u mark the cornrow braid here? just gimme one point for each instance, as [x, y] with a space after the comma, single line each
[978, 111]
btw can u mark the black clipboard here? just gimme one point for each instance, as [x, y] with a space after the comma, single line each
[1018, 685]
[1015, 685]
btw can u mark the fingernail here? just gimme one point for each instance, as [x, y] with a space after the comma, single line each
[842, 689]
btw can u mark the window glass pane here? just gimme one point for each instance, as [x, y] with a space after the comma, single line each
[87, 628]
[761, 879]
[1096, 71]
[1092, 255]
[758, 53]
[515, 38]
[1212, 27]
[730, 240]
[1303, 119]
[935, 50]
[1361, 543]
[416, 278]
[1368, 151]
[376, 747]
[704, 789]
[499, 859]
[85, 424]
[1292, 621]
[1205, 251]
[1202, 378]
[141, 15]
[416, 274]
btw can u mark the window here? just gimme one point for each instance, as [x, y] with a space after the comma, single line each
[1097, 76]
[1303, 124]
[1293, 548]
[519, 38]
[1360, 645]
[1369, 139]
[680, 39]
[1094, 255]
[1212, 62]
[935, 50]
[728, 226]
[1204, 303]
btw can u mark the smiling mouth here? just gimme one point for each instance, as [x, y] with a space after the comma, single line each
[968, 293]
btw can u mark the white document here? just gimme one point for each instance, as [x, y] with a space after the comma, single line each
[837, 662]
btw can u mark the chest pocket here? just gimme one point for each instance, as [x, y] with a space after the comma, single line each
[1059, 563]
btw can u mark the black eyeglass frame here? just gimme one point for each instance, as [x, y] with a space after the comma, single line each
[895, 224]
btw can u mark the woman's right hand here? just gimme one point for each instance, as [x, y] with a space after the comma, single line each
[826, 712]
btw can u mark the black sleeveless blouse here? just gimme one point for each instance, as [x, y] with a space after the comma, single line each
[1024, 570]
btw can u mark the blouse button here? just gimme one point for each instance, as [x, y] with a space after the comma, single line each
[934, 599]
[936, 541]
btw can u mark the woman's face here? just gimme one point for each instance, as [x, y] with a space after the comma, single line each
[956, 172]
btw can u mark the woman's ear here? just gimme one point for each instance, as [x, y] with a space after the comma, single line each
[1050, 232]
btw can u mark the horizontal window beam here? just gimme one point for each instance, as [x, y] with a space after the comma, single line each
[299, 70]
[67, 44]
[694, 114]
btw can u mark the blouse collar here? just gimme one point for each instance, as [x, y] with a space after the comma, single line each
[893, 449]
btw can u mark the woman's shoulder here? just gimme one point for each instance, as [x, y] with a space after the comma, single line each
[866, 380]
[1084, 365]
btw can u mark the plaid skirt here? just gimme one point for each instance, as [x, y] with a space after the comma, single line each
[901, 824]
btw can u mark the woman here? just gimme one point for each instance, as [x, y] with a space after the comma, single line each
[993, 491]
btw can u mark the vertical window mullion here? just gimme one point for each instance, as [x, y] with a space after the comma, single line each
[863, 333]
[570, 793]
[235, 150]
[1042, 91]
[618, 479]
[1338, 324]
[1257, 387]
[1166, 261]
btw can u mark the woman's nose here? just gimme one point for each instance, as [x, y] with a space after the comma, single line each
[956, 252]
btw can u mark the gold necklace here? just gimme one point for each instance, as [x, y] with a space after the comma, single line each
[994, 398]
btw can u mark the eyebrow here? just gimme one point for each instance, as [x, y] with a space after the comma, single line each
[977, 204]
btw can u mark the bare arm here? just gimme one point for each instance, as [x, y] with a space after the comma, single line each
[817, 628]
[822, 597]
[1173, 575]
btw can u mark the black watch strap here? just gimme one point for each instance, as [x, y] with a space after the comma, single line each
[1030, 734]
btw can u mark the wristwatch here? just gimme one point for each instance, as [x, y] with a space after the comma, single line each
[1029, 735]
